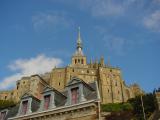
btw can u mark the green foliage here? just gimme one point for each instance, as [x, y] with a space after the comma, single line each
[133, 107]
[149, 105]
[6, 103]
[116, 107]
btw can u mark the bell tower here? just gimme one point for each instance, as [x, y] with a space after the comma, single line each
[78, 58]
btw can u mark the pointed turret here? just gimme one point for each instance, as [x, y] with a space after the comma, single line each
[79, 41]
[102, 61]
[79, 44]
[78, 58]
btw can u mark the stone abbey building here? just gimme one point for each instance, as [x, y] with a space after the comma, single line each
[111, 85]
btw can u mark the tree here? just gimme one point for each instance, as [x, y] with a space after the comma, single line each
[149, 105]
[6, 103]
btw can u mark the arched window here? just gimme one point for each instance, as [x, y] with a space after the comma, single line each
[82, 61]
[116, 84]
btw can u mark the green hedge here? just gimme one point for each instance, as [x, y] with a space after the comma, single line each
[6, 103]
[116, 107]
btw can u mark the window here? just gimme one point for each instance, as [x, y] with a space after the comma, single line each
[72, 70]
[5, 97]
[74, 95]
[59, 83]
[116, 84]
[46, 101]
[2, 115]
[78, 60]
[24, 107]
[82, 61]
[87, 71]
[75, 61]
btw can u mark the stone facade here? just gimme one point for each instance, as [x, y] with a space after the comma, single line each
[158, 99]
[111, 85]
[85, 111]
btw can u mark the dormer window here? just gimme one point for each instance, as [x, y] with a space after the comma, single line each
[24, 107]
[75, 95]
[47, 101]
[3, 115]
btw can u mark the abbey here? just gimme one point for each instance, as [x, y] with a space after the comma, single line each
[111, 85]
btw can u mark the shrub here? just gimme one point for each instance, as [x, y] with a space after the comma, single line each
[115, 107]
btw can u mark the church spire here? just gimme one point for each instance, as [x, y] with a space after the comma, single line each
[79, 44]
[79, 41]
[78, 58]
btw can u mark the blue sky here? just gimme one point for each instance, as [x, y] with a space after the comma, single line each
[37, 35]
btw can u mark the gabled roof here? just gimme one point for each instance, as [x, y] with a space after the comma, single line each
[27, 95]
[76, 80]
[48, 89]
[36, 75]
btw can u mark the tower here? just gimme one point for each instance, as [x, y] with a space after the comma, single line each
[79, 59]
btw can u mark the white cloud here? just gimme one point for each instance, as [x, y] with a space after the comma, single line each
[117, 45]
[25, 67]
[51, 20]
[105, 8]
[152, 21]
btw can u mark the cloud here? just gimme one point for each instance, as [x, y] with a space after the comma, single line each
[105, 8]
[51, 20]
[117, 45]
[152, 21]
[25, 67]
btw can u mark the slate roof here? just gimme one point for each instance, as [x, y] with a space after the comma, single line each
[60, 98]
[12, 111]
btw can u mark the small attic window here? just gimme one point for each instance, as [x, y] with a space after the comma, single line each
[74, 95]
[47, 102]
[3, 115]
[24, 107]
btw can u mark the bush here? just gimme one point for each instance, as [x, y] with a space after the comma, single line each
[6, 103]
[116, 107]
